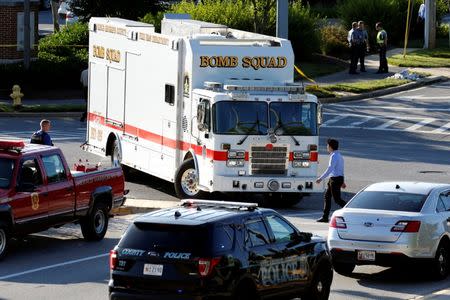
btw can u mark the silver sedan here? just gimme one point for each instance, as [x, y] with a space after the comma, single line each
[392, 223]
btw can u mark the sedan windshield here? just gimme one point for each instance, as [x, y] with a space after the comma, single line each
[293, 118]
[252, 118]
[6, 172]
[388, 201]
[240, 117]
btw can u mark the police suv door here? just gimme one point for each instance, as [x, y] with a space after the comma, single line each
[293, 267]
[262, 256]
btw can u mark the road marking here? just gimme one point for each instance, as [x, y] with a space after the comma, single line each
[366, 119]
[422, 97]
[388, 124]
[393, 107]
[420, 124]
[53, 266]
[442, 129]
[335, 119]
[386, 129]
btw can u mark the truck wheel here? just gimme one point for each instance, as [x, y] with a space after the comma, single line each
[186, 181]
[95, 225]
[4, 240]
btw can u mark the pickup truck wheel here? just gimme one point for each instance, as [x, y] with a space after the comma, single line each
[186, 181]
[4, 240]
[95, 225]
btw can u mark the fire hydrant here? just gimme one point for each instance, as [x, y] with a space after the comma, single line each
[16, 95]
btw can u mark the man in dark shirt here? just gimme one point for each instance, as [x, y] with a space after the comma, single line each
[41, 136]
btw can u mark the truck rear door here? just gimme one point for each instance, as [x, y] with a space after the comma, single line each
[60, 188]
[30, 202]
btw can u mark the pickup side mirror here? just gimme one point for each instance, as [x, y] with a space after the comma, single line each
[26, 187]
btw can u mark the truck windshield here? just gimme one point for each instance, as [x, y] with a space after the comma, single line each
[240, 117]
[6, 172]
[293, 118]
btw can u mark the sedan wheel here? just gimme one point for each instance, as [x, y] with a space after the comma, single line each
[441, 262]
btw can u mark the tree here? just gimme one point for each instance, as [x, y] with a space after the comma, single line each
[129, 9]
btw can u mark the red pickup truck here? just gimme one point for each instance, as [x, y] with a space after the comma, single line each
[39, 191]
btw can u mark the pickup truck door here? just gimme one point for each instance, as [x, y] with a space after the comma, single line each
[60, 187]
[30, 202]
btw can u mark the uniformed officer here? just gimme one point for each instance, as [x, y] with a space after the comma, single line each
[355, 39]
[382, 45]
[363, 47]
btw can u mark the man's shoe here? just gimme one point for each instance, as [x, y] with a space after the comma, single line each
[322, 220]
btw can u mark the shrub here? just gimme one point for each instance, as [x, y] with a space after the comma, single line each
[334, 41]
[303, 30]
[392, 13]
[442, 31]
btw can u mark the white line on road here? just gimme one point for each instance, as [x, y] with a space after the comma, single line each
[53, 266]
[335, 119]
[388, 124]
[420, 124]
[392, 107]
[380, 117]
[442, 129]
[387, 129]
[365, 120]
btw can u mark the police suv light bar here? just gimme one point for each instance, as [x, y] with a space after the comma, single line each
[189, 202]
[12, 145]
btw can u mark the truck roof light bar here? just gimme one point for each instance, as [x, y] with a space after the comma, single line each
[294, 89]
[238, 205]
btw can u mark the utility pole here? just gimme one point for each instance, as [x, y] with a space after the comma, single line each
[282, 18]
[430, 24]
[26, 34]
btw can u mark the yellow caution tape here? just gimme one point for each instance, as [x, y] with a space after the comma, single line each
[303, 74]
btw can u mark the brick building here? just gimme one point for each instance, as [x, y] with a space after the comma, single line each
[11, 29]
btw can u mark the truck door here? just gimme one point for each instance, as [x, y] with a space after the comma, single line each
[30, 203]
[115, 98]
[61, 194]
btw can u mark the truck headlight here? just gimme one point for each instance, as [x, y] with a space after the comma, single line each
[235, 163]
[236, 154]
[300, 155]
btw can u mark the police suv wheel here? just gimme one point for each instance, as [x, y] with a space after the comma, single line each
[186, 181]
[4, 240]
[95, 225]
[320, 286]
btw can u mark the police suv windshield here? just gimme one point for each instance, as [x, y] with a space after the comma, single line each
[6, 172]
[255, 118]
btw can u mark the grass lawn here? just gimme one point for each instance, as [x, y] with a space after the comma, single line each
[427, 58]
[316, 69]
[44, 108]
[365, 86]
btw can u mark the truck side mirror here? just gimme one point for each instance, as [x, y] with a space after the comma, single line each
[201, 117]
[319, 114]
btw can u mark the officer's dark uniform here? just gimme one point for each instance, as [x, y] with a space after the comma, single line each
[381, 42]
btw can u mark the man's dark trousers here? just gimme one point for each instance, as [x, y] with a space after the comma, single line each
[383, 61]
[353, 59]
[333, 190]
[361, 55]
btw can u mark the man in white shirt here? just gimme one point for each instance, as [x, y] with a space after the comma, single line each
[335, 171]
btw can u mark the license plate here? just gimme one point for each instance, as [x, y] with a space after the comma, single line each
[154, 270]
[366, 255]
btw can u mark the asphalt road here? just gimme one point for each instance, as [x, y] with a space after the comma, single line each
[399, 137]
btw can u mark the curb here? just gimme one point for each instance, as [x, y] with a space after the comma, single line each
[384, 92]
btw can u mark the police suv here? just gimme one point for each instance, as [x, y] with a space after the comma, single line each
[214, 249]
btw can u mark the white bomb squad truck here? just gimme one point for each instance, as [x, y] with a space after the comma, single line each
[204, 106]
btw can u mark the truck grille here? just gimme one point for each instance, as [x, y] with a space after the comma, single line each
[268, 162]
